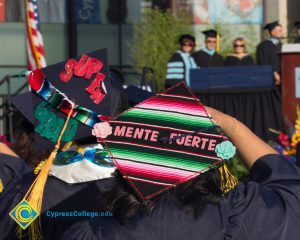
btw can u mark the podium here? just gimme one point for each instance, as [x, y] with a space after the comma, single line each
[290, 75]
[247, 93]
[232, 79]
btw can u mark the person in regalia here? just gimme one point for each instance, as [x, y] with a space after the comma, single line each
[181, 62]
[240, 57]
[81, 170]
[207, 56]
[267, 51]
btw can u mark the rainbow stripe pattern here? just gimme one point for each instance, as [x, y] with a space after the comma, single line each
[43, 87]
[155, 146]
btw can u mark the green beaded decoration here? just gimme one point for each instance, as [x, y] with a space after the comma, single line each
[50, 126]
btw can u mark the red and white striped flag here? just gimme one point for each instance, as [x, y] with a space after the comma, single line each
[35, 45]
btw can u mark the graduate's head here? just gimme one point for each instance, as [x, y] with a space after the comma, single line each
[297, 25]
[239, 45]
[274, 29]
[24, 143]
[193, 196]
[187, 43]
[210, 39]
[167, 143]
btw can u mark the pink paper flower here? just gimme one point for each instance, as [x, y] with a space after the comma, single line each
[102, 130]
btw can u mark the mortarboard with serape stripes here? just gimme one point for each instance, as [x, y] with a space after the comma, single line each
[164, 141]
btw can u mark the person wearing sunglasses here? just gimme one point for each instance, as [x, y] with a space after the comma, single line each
[267, 52]
[207, 56]
[181, 62]
[240, 57]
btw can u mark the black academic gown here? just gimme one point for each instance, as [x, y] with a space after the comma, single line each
[58, 197]
[232, 60]
[15, 176]
[178, 68]
[267, 207]
[267, 54]
[203, 59]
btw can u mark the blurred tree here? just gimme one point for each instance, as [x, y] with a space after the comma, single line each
[155, 39]
[230, 32]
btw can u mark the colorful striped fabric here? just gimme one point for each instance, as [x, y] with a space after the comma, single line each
[152, 165]
[49, 93]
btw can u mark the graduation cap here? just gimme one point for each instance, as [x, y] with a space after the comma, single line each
[164, 141]
[210, 33]
[85, 80]
[67, 99]
[271, 26]
[297, 24]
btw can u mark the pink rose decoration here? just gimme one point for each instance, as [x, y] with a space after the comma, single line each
[102, 130]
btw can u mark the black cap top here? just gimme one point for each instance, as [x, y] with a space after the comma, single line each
[186, 37]
[297, 24]
[210, 33]
[84, 79]
[271, 26]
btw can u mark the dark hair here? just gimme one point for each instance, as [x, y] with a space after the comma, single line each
[192, 195]
[185, 37]
[24, 144]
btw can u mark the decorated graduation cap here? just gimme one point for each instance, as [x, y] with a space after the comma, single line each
[74, 163]
[84, 80]
[271, 26]
[297, 24]
[166, 140]
[66, 100]
[84, 163]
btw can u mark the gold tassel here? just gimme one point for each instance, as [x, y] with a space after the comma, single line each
[34, 195]
[1, 185]
[228, 181]
[218, 47]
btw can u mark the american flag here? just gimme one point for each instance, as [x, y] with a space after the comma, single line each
[35, 45]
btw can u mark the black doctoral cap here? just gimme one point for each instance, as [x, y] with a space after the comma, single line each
[271, 26]
[210, 33]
